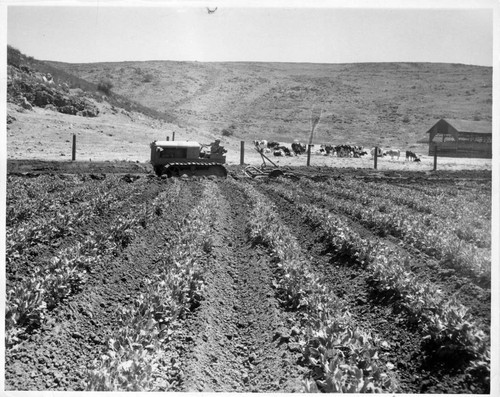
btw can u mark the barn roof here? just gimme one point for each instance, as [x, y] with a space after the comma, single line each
[467, 126]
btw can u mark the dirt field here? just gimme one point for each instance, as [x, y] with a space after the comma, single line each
[226, 321]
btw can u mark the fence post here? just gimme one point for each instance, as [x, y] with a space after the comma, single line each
[168, 138]
[73, 149]
[308, 155]
[242, 152]
[173, 135]
[435, 157]
[375, 155]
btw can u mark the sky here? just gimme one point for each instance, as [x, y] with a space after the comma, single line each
[100, 31]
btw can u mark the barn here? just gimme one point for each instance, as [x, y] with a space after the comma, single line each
[461, 138]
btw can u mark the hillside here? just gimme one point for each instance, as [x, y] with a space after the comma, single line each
[390, 104]
[46, 106]
[117, 109]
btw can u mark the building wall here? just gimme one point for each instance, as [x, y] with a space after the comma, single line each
[461, 149]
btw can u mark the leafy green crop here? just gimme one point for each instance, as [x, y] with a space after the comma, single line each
[445, 322]
[138, 346]
[342, 358]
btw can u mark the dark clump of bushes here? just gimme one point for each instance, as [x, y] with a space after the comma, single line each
[63, 81]
[148, 78]
[14, 57]
[229, 131]
[105, 86]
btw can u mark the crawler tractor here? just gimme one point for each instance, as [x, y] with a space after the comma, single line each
[177, 158]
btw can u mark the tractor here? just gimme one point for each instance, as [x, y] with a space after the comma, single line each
[178, 158]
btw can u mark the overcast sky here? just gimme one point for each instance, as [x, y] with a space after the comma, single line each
[327, 34]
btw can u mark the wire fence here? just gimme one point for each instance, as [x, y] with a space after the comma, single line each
[355, 156]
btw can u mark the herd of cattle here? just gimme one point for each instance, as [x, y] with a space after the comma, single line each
[297, 148]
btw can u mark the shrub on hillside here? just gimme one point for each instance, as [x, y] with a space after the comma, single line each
[65, 81]
[105, 86]
[148, 78]
[14, 56]
[229, 131]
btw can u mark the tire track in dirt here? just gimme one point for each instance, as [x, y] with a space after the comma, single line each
[236, 331]
[56, 356]
[417, 372]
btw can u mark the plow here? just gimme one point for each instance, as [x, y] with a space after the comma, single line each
[268, 171]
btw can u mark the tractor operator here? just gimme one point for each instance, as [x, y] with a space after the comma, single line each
[216, 148]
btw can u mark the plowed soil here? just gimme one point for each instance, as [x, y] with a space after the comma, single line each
[238, 338]
[418, 371]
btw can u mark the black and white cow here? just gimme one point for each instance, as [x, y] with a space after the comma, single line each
[273, 145]
[298, 148]
[326, 149]
[260, 145]
[282, 151]
[411, 156]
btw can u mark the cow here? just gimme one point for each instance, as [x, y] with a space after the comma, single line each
[285, 150]
[343, 150]
[348, 151]
[410, 156]
[273, 145]
[298, 148]
[393, 153]
[359, 151]
[260, 145]
[326, 149]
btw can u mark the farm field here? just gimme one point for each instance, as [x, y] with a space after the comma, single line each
[336, 280]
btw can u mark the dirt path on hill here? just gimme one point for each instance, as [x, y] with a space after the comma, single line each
[238, 343]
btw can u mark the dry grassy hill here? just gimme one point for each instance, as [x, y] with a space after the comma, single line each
[390, 104]
[134, 103]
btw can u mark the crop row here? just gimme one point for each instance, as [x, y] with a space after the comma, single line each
[26, 198]
[135, 360]
[468, 189]
[421, 231]
[467, 215]
[473, 201]
[50, 281]
[445, 322]
[342, 357]
[62, 215]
